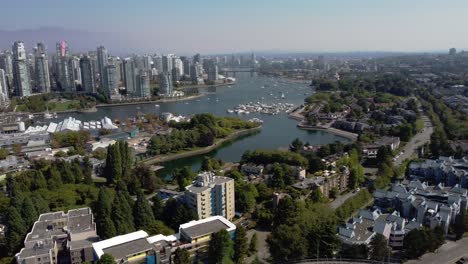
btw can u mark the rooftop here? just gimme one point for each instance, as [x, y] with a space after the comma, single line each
[206, 226]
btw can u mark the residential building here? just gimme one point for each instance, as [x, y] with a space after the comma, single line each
[4, 99]
[42, 76]
[360, 229]
[66, 79]
[446, 170]
[102, 61]
[165, 84]
[6, 63]
[251, 168]
[428, 205]
[111, 84]
[139, 247]
[22, 80]
[325, 181]
[87, 75]
[211, 195]
[129, 71]
[167, 63]
[143, 84]
[370, 150]
[60, 237]
[158, 63]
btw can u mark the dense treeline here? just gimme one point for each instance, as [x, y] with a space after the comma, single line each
[455, 124]
[389, 83]
[302, 230]
[272, 156]
[75, 139]
[201, 131]
[119, 213]
[50, 186]
[419, 241]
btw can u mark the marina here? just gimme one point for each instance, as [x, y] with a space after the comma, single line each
[270, 109]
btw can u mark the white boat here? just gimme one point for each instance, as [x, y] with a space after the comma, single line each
[282, 95]
[157, 105]
[48, 115]
[230, 111]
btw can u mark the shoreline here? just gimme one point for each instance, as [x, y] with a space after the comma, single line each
[171, 157]
[185, 98]
[203, 86]
[331, 130]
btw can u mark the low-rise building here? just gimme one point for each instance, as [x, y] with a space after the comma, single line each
[370, 150]
[360, 229]
[446, 170]
[60, 237]
[325, 181]
[139, 247]
[427, 205]
[251, 168]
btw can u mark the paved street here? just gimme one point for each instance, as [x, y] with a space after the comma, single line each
[263, 251]
[450, 252]
[340, 200]
[417, 141]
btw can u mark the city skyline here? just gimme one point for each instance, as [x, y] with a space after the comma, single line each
[219, 27]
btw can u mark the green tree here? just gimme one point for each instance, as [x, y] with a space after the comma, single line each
[15, 232]
[296, 145]
[104, 225]
[253, 245]
[54, 181]
[459, 226]
[379, 249]
[3, 153]
[246, 193]
[334, 192]
[285, 212]
[287, 244]
[122, 215]
[182, 256]
[241, 247]
[88, 171]
[78, 172]
[220, 248]
[158, 207]
[28, 211]
[176, 213]
[183, 177]
[158, 227]
[142, 213]
[415, 244]
[316, 196]
[106, 259]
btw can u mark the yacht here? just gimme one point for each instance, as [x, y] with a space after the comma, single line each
[282, 95]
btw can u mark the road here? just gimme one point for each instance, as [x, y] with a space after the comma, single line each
[340, 200]
[263, 252]
[450, 252]
[416, 141]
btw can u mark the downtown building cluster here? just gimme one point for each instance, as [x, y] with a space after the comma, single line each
[24, 73]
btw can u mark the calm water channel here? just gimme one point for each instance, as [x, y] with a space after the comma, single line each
[277, 131]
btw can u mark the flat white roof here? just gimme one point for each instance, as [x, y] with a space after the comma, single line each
[111, 242]
[230, 225]
[157, 238]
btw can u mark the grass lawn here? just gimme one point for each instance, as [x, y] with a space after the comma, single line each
[62, 106]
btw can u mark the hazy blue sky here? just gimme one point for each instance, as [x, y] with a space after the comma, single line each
[210, 26]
